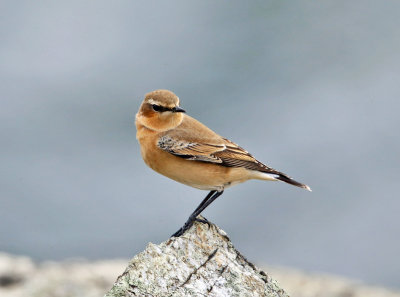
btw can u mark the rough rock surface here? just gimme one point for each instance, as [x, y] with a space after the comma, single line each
[21, 277]
[202, 262]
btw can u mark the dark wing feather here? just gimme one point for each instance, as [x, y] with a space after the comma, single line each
[235, 156]
[226, 154]
[190, 150]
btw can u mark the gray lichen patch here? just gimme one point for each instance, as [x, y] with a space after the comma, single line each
[202, 262]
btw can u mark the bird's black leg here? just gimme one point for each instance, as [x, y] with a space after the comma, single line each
[202, 206]
[204, 201]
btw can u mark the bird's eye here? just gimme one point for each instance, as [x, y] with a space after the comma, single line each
[157, 108]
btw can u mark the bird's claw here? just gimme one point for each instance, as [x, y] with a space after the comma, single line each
[203, 220]
[189, 224]
[182, 230]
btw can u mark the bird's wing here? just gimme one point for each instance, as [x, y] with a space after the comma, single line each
[194, 141]
[225, 153]
[228, 154]
[190, 150]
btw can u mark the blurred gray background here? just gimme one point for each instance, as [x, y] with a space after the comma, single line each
[309, 87]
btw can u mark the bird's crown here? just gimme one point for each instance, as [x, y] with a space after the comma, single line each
[164, 98]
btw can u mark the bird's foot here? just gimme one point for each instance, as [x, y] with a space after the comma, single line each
[183, 229]
[189, 224]
[203, 220]
[178, 233]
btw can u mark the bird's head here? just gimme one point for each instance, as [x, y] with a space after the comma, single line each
[160, 111]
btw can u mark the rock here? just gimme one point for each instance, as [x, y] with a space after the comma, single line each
[21, 277]
[76, 278]
[202, 262]
[13, 270]
[303, 284]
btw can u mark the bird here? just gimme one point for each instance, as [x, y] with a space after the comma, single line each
[178, 146]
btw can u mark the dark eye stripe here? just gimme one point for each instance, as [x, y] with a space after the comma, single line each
[159, 108]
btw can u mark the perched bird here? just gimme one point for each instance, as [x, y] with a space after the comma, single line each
[183, 149]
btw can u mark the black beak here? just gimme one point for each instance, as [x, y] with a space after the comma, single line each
[178, 109]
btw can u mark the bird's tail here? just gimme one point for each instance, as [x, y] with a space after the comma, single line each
[289, 180]
[274, 175]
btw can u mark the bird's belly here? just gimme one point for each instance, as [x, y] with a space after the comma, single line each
[200, 175]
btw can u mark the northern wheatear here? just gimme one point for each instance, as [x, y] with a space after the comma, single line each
[180, 147]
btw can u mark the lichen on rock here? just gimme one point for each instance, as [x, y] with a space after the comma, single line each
[202, 262]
